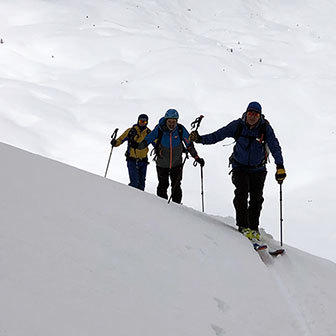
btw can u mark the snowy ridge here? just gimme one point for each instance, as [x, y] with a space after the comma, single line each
[84, 255]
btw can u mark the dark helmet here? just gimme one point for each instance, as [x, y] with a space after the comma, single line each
[171, 114]
[143, 117]
[254, 107]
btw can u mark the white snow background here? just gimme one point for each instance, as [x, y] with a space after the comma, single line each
[83, 255]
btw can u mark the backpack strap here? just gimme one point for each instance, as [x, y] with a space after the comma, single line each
[180, 132]
[130, 136]
[261, 139]
[262, 133]
[238, 131]
[156, 149]
[160, 134]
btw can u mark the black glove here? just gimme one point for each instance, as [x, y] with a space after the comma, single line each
[113, 142]
[133, 144]
[200, 161]
[280, 174]
[195, 137]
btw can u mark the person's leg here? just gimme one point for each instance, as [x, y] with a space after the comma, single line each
[142, 171]
[176, 178]
[133, 173]
[241, 182]
[257, 181]
[163, 174]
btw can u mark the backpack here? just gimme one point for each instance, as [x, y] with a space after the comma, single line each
[160, 134]
[262, 134]
[130, 136]
[156, 149]
[261, 139]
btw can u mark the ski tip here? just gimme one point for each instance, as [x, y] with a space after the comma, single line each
[277, 252]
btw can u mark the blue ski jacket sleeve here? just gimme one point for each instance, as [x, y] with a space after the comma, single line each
[227, 131]
[273, 145]
[248, 151]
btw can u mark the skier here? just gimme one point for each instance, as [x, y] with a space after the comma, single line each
[254, 138]
[168, 139]
[137, 160]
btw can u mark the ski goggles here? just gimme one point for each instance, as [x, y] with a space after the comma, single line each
[253, 114]
[143, 121]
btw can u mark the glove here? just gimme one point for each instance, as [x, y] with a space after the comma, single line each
[133, 144]
[280, 174]
[195, 137]
[200, 161]
[113, 142]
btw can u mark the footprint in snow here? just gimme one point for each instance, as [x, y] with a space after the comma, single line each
[221, 305]
[218, 330]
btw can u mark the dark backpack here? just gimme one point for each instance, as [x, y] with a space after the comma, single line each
[261, 139]
[262, 132]
[156, 149]
[130, 137]
[160, 134]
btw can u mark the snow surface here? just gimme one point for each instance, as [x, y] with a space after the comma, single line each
[72, 71]
[84, 255]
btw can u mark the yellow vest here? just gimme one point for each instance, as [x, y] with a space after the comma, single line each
[135, 153]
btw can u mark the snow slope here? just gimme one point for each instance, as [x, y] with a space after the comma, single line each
[83, 255]
[72, 71]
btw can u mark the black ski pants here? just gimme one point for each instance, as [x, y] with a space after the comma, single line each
[249, 185]
[175, 175]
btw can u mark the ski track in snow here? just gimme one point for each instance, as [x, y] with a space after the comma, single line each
[303, 324]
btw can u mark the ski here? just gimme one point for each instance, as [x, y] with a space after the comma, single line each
[277, 252]
[259, 247]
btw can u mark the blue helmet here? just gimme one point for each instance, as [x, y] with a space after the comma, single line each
[171, 114]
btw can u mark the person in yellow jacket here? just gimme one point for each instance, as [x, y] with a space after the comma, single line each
[137, 159]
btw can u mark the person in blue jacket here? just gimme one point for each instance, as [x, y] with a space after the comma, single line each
[254, 139]
[169, 139]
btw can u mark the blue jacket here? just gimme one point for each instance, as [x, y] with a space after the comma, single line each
[248, 152]
[171, 147]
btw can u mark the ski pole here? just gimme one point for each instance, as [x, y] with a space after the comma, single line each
[195, 124]
[281, 219]
[202, 189]
[113, 137]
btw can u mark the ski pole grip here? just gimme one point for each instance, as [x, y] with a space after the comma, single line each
[196, 123]
[199, 121]
[114, 134]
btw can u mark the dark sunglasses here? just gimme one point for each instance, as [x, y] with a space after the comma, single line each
[253, 114]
